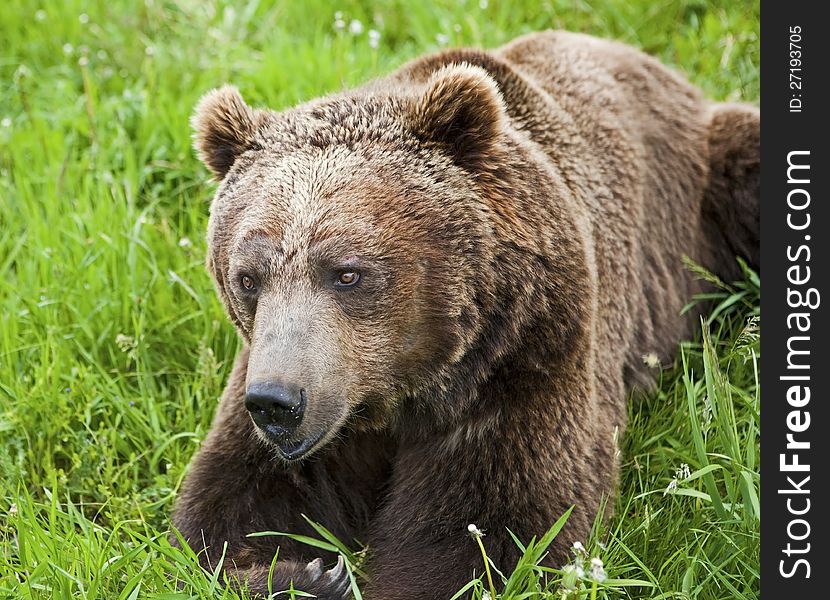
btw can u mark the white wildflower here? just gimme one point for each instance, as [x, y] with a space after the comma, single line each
[355, 27]
[125, 343]
[40, 15]
[6, 122]
[339, 24]
[149, 51]
[597, 570]
[83, 61]
[13, 510]
[570, 577]
[442, 39]
[474, 531]
[682, 472]
[374, 38]
[68, 48]
[671, 487]
[101, 54]
[83, 18]
[482, 4]
[651, 360]
[578, 548]
[185, 243]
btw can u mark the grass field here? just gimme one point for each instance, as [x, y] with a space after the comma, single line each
[114, 347]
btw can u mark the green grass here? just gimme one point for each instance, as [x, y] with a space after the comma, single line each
[114, 347]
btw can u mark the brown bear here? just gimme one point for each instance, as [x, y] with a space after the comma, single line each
[446, 281]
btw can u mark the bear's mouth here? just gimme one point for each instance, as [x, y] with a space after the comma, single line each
[290, 450]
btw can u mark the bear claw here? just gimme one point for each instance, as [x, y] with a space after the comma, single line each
[315, 569]
[337, 581]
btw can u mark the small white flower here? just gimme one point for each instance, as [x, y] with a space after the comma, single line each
[473, 530]
[442, 39]
[68, 48]
[40, 15]
[13, 510]
[101, 54]
[339, 24]
[338, 16]
[571, 574]
[569, 577]
[578, 548]
[671, 487]
[185, 243]
[683, 472]
[651, 360]
[355, 27]
[485, 595]
[125, 343]
[83, 61]
[6, 122]
[374, 38]
[149, 51]
[482, 4]
[83, 18]
[597, 570]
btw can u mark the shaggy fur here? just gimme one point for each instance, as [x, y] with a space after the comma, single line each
[518, 219]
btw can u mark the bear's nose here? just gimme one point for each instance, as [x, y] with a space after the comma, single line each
[275, 406]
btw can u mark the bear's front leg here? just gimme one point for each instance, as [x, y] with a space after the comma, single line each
[517, 465]
[237, 485]
[225, 499]
[312, 578]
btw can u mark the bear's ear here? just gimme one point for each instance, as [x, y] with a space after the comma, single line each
[224, 127]
[461, 109]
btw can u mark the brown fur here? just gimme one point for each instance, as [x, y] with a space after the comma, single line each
[518, 218]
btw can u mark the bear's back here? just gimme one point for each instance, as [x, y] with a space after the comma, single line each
[631, 140]
[628, 137]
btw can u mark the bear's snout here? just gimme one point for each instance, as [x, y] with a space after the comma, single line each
[276, 407]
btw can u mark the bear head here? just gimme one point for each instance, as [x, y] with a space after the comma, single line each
[350, 244]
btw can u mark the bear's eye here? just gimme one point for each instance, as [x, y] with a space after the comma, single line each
[347, 279]
[248, 283]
